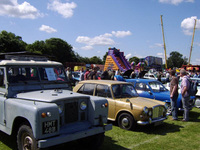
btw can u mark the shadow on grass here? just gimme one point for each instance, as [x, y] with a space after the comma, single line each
[10, 142]
[109, 143]
[194, 116]
[162, 129]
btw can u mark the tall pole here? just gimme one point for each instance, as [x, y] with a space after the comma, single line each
[164, 42]
[192, 41]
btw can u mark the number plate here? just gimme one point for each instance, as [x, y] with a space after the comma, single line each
[49, 127]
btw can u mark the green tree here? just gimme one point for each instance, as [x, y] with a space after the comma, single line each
[85, 60]
[9, 42]
[104, 57]
[95, 60]
[60, 49]
[37, 47]
[135, 59]
[176, 60]
[56, 48]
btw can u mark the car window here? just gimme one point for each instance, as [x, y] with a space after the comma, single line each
[133, 83]
[151, 76]
[22, 74]
[198, 81]
[52, 74]
[2, 81]
[141, 86]
[124, 90]
[103, 90]
[157, 87]
[87, 89]
[76, 74]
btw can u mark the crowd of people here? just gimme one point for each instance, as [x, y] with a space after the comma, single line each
[95, 74]
[185, 86]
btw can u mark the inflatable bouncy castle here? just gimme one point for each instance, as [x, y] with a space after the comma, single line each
[116, 60]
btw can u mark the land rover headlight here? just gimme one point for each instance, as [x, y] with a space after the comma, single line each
[83, 105]
[145, 110]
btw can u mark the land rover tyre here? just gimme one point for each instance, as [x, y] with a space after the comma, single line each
[126, 121]
[25, 139]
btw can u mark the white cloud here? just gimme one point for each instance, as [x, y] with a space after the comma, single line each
[47, 29]
[128, 56]
[156, 45]
[98, 40]
[160, 54]
[198, 60]
[25, 10]
[188, 25]
[197, 43]
[120, 34]
[75, 48]
[175, 2]
[195, 62]
[103, 40]
[65, 9]
[107, 35]
[87, 47]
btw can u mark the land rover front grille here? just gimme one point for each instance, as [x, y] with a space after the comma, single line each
[71, 112]
[158, 112]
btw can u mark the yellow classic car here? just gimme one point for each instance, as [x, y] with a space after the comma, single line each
[125, 107]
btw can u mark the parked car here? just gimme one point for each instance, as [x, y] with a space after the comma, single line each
[125, 107]
[38, 107]
[154, 76]
[154, 89]
[197, 103]
[75, 77]
[198, 85]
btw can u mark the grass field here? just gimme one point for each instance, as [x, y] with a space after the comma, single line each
[176, 135]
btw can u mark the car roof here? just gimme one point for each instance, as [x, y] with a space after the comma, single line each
[27, 63]
[195, 79]
[107, 82]
[141, 80]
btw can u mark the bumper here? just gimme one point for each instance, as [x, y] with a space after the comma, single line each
[150, 121]
[73, 136]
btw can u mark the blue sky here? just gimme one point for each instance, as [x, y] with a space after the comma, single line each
[92, 26]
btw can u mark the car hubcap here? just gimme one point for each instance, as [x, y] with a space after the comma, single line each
[125, 122]
[27, 143]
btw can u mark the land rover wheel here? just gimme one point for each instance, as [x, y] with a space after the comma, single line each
[126, 121]
[25, 139]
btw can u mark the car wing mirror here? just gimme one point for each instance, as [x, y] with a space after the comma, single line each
[150, 93]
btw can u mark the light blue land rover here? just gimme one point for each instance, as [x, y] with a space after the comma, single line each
[38, 107]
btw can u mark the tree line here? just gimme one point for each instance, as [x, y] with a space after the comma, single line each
[61, 51]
